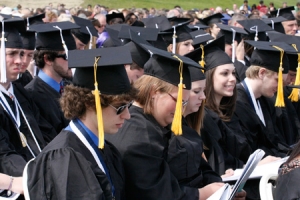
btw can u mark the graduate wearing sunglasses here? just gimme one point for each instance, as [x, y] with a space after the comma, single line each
[79, 163]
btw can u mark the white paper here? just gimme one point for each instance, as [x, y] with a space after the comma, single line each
[259, 171]
[221, 194]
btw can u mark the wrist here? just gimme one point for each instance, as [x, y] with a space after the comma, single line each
[10, 186]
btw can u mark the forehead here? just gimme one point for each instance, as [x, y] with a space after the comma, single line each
[12, 49]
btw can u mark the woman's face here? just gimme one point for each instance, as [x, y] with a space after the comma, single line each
[164, 105]
[214, 31]
[196, 98]
[224, 80]
[185, 47]
[113, 121]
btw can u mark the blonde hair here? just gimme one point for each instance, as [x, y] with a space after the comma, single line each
[146, 85]
[253, 70]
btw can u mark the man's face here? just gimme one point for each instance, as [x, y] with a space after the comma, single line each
[60, 67]
[290, 27]
[13, 63]
[26, 57]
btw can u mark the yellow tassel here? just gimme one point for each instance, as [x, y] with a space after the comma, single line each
[294, 96]
[202, 62]
[176, 124]
[97, 94]
[280, 98]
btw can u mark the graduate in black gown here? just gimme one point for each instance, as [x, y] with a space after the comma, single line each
[21, 138]
[52, 59]
[185, 152]
[226, 144]
[78, 163]
[263, 80]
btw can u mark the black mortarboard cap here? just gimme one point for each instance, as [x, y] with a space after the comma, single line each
[197, 26]
[86, 31]
[182, 33]
[165, 66]
[161, 43]
[230, 31]
[213, 53]
[267, 56]
[161, 22]
[275, 23]
[12, 29]
[212, 19]
[49, 36]
[113, 40]
[196, 74]
[28, 40]
[256, 28]
[138, 23]
[138, 54]
[149, 34]
[200, 36]
[36, 19]
[178, 20]
[284, 12]
[292, 40]
[114, 15]
[111, 74]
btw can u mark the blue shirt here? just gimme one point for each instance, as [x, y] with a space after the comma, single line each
[50, 81]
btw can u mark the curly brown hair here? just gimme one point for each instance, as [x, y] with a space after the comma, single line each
[76, 100]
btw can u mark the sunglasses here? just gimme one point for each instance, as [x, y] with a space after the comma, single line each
[122, 108]
[184, 103]
[63, 56]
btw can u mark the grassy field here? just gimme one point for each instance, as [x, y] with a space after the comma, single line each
[185, 4]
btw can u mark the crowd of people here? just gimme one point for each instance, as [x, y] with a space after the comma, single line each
[146, 103]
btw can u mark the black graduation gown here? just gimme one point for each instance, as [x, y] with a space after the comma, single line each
[227, 146]
[13, 156]
[186, 162]
[258, 135]
[240, 70]
[143, 144]
[66, 169]
[47, 100]
[24, 78]
[287, 186]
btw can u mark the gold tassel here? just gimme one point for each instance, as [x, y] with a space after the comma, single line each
[97, 94]
[280, 98]
[176, 124]
[294, 96]
[202, 62]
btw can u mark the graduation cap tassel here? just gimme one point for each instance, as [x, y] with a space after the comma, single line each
[97, 94]
[278, 11]
[272, 24]
[63, 41]
[91, 37]
[294, 96]
[202, 62]
[3, 56]
[176, 124]
[174, 40]
[233, 46]
[27, 23]
[280, 98]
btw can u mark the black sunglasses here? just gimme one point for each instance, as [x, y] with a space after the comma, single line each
[64, 56]
[122, 108]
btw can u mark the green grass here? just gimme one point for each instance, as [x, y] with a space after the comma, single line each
[185, 4]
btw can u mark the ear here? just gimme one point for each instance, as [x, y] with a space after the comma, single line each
[153, 92]
[262, 72]
[46, 60]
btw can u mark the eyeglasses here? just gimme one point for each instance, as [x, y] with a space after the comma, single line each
[64, 56]
[122, 108]
[184, 103]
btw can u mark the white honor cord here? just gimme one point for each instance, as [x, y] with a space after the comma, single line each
[233, 45]
[21, 137]
[87, 144]
[35, 140]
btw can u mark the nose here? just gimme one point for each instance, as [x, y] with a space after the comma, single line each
[125, 114]
[202, 96]
[233, 78]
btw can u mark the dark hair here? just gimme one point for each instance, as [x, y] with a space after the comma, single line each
[76, 100]
[227, 104]
[38, 57]
[129, 20]
[295, 152]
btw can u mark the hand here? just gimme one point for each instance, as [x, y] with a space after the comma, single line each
[240, 51]
[268, 159]
[208, 190]
[228, 172]
[240, 195]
